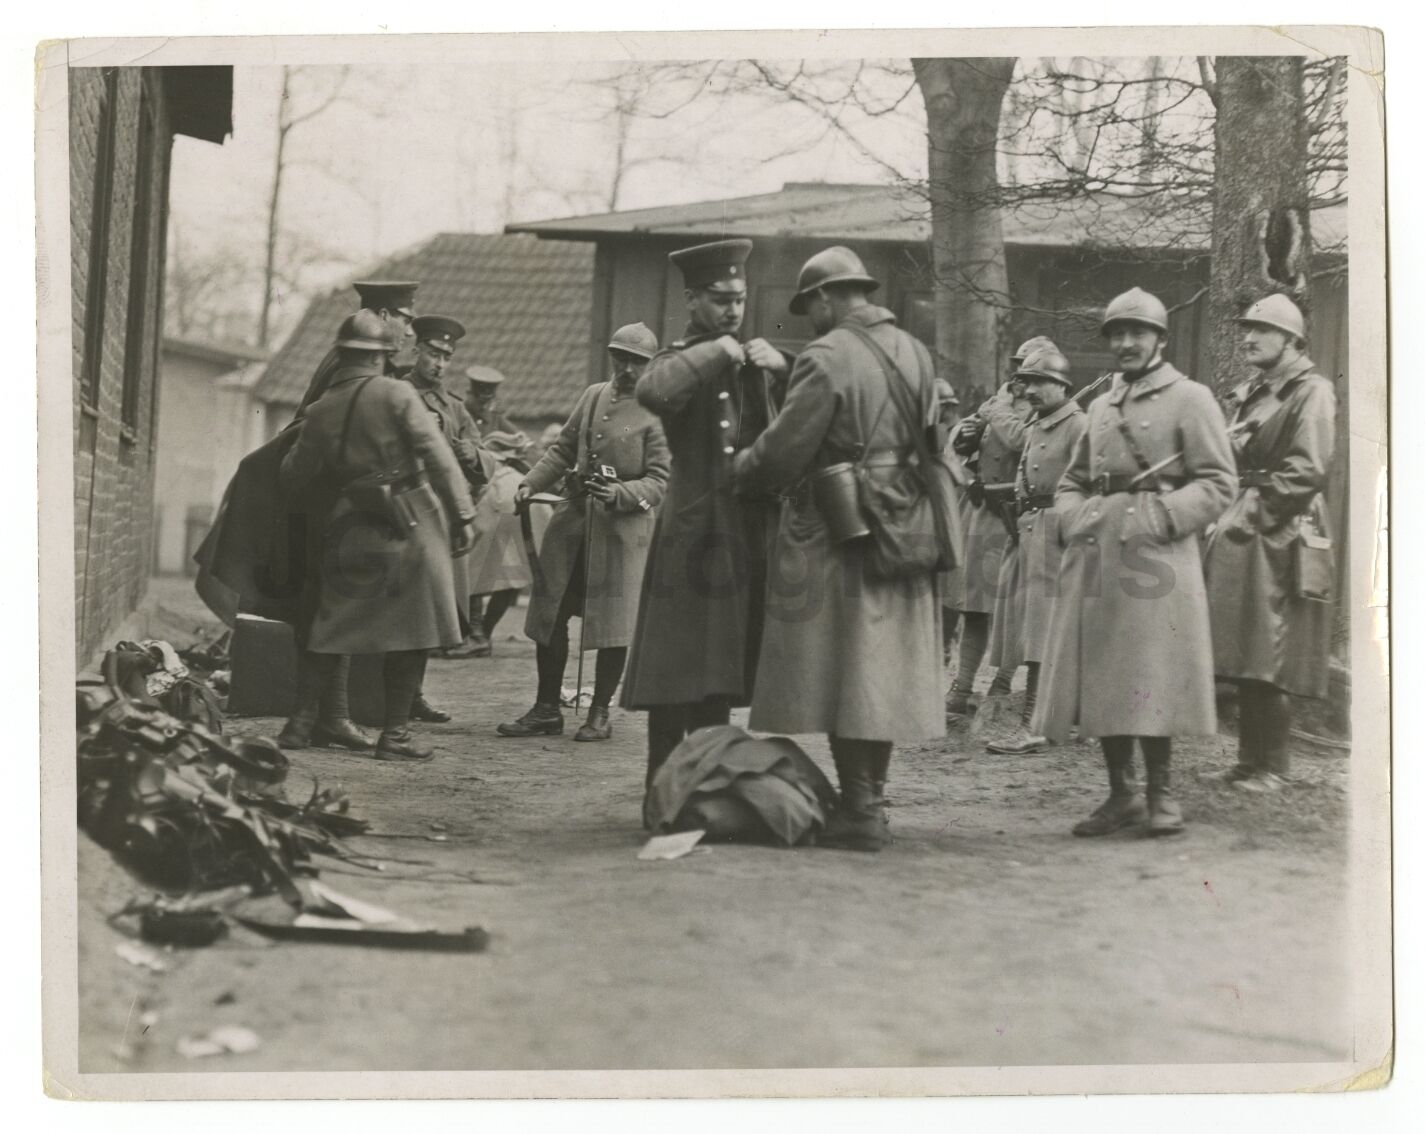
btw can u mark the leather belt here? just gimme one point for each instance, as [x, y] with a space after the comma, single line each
[997, 494]
[399, 480]
[1111, 484]
[1254, 478]
[1040, 500]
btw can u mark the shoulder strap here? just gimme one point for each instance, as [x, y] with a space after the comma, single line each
[1126, 431]
[346, 422]
[898, 387]
[589, 419]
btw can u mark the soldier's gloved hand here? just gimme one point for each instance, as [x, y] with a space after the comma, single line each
[602, 491]
[733, 348]
[523, 492]
[762, 353]
[462, 537]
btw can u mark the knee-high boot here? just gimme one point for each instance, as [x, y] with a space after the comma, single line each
[856, 824]
[1164, 815]
[403, 671]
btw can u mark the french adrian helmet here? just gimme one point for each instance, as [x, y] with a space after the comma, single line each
[1046, 363]
[366, 330]
[831, 265]
[1278, 312]
[1136, 306]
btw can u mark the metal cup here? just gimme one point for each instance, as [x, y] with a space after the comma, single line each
[835, 492]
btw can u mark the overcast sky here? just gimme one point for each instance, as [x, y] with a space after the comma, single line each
[408, 152]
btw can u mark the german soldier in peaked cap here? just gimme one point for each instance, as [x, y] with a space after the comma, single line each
[694, 651]
[394, 302]
[1271, 620]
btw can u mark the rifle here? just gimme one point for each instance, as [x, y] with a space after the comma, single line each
[1240, 427]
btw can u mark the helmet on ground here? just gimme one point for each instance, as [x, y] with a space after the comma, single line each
[1278, 312]
[1136, 306]
[1046, 363]
[635, 339]
[366, 330]
[831, 265]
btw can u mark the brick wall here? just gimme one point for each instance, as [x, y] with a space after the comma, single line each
[114, 461]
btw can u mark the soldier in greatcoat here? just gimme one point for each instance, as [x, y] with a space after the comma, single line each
[499, 566]
[255, 556]
[853, 656]
[592, 558]
[400, 509]
[989, 441]
[436, 338]
[394, 303]
[1029, 578]
[1130, 651]
[1270, 634]
[694, 652]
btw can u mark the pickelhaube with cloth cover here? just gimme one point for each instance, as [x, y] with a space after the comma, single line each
[388, 295]
[635, 339]
[1278, 312]
[1046, 363]
[832, 265]
[1136, 306]
[712, 265]
[440, 331]
[1029, 346]
[366, 330]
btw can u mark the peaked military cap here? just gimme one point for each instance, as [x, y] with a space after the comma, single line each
[707, 265]
[388, 295]
[484, 375]
[439, 330]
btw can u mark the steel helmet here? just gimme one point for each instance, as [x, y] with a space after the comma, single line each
[1030, 346]
[1136, 306]
[635, 339]
[831, 265]
[1279, 312]
[945, 393]
[366, 330]
[1046, 364]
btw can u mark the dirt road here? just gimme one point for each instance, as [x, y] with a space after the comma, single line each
[984, 935]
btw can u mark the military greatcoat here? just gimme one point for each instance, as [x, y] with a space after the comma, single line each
[381, 589]
[1261, 629]
[463, 435]
[1130, 650]
[1029, 578]
[607, 427]
[844, 654]
[702, 603]
[986, 532]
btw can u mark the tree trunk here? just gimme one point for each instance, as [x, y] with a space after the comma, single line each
[269, 265]
[1261, 222]
[963, 98]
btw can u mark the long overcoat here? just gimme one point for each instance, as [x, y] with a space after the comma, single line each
[607, 427]
[1130, 651]
[1029, 577]
[1261, 629]
[844, 654]
[479, 466]
[702, 602]
[986, 533]
[381, 589]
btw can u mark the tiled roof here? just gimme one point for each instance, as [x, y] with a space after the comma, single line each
[525, 304]
[823, 210]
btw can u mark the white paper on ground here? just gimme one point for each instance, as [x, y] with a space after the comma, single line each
[662, 847]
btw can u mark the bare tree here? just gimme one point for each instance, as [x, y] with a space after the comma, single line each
[1261, 233]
